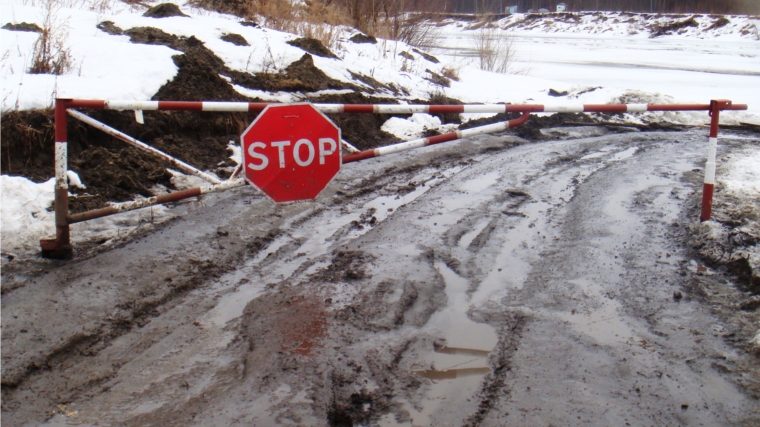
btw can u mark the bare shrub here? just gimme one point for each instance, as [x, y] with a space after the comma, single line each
[450, 72]
[495, 50]
[50, 54]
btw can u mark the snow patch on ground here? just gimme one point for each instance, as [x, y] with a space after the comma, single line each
[743, 179]
[414, 126]
[24, 214]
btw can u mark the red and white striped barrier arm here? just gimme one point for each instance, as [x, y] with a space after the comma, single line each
[242, 107]
[432, 140]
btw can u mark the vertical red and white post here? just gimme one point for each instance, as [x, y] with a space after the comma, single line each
[712, 149]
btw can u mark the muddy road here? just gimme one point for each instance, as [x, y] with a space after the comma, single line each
[485, 283]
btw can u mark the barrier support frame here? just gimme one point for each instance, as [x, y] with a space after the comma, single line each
[60, 247]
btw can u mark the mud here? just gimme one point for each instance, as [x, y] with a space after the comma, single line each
[312, 46]
[250, 313]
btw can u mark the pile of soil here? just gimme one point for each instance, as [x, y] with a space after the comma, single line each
[300, 76]
[116, 175]
[362, 38]
[110, 28]
[531, 129]
[164, 10]
[24, 26]
[235, 39]
[428, 57]
[312, 46]
[674, 27]
[376, 85]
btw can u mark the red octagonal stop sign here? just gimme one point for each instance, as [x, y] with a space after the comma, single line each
[291, 152]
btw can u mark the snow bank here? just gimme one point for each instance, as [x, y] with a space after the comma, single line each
[635, 25]
[24, 214]
[743, 178]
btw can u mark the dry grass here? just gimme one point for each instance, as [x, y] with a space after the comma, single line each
[451, 73]
[50, 54]
[323, 19]
[495, 50]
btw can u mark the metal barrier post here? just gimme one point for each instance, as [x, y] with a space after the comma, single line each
[712, 148]
[60, 247]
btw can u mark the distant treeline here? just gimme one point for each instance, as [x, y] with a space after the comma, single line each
[658, 6]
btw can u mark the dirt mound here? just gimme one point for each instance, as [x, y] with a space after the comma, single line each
[300, 76]
[235, 39]
[110, 28]
[27, 144]
[428, 57]
[24, 26]
[406, 55]
[199, 68]
[438, 79]
[376, 85]
[719, 23]
[361, 130]
[164, 10]
[362, 38]
[116, 176]
[673, 27]
[531, 129]
[312, 46]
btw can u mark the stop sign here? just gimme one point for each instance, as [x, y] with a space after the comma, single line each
[291, 152]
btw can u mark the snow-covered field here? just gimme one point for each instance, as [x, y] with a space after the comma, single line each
[600, 61]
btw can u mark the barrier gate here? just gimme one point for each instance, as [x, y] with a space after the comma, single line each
[60, 246]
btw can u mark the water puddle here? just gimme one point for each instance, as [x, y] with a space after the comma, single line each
[451, 374]
[455, 369]
[627, 154]
[468, 237]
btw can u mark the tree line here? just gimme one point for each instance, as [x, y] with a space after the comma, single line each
[653, 6]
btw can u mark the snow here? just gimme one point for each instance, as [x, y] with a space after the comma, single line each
[597, 58]
[24, 214]
[414, 126]
[743, 177]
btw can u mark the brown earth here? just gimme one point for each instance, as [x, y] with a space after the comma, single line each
[164, 10]
[312, 46]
